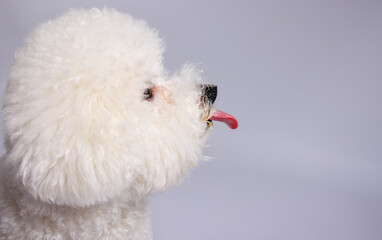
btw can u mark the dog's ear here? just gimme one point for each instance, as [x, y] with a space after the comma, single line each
[68, 150]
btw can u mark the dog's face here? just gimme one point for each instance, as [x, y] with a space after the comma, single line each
[90, 113]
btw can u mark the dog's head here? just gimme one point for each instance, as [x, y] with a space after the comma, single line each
[90, 113]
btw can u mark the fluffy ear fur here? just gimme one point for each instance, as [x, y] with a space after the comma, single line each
[69, 144]
[69, 107]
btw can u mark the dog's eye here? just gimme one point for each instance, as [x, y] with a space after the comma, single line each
[148, 94]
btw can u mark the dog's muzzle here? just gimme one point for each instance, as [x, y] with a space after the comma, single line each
[209, 94]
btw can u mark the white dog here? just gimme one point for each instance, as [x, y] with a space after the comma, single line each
[93, 126]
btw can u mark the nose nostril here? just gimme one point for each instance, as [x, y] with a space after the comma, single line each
[210, 91]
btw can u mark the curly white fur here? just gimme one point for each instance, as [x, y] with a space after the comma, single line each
[84, 149]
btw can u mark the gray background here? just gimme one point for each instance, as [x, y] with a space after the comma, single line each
[304, 79]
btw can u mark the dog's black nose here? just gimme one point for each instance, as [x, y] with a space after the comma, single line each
[210, 91]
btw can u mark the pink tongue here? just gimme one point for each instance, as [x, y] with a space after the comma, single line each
[225, 117]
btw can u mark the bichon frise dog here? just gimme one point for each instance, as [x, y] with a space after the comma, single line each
[94, 125]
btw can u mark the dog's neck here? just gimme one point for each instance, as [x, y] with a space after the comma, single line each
[111, 220]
